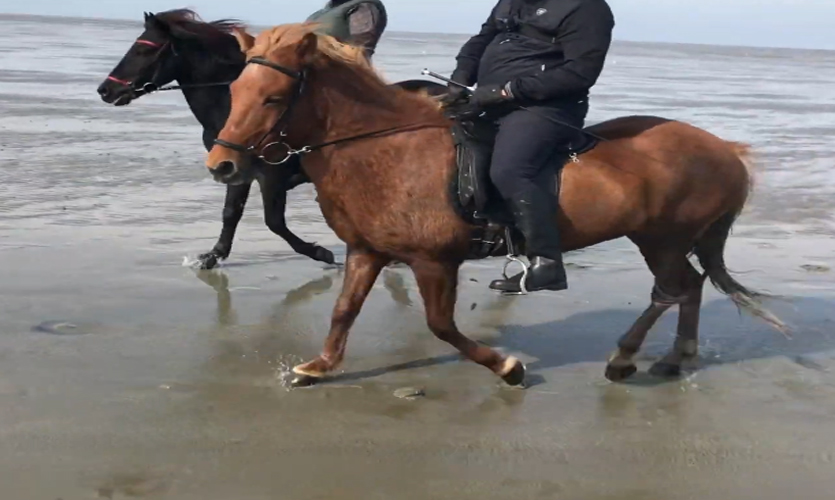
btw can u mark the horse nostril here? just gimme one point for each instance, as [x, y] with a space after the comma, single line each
[103, 91]
[224, 169]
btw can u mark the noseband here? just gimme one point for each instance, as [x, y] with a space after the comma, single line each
[280, 124]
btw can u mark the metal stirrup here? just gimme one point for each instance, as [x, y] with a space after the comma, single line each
[512, 256]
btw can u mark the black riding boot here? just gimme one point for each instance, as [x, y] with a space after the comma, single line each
[536, 218]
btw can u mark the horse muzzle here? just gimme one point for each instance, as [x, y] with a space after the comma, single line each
[114, 94]
[224, 171]
[227, 171]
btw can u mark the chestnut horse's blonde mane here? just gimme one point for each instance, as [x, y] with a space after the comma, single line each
[351, 57]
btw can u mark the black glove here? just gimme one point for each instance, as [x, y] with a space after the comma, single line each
[486, 96]
[457, 93]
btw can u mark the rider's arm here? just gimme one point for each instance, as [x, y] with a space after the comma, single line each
[363, 24]
[470, 54]
[585, 36]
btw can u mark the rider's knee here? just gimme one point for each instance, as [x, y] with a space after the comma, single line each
[502, 176]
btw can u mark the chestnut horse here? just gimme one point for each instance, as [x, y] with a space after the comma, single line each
[382, 161]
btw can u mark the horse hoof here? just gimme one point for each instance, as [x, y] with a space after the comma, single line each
[665, 370]
[619, 373]
[324, 255]
[307, 374]
[207, 261]
[514, 372]
[304, 381]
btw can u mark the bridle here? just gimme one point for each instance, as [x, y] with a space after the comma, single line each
[150, 85]
[281, 123]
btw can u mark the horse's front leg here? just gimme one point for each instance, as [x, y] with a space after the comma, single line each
[438, 284]
[295, 180]
[274, 195]
[361, 271]
[233, 210]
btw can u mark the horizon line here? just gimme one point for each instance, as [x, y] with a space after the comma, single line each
[700, 44]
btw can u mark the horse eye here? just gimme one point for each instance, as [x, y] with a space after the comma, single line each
[272, 100]
[145, 50]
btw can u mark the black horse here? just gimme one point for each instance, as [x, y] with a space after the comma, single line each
[203, 58]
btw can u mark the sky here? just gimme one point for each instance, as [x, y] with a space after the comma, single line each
[764, 23]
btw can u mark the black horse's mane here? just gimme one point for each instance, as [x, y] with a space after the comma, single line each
[186, 25]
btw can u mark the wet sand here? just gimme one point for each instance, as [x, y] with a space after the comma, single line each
[173, 385]
[124, 374]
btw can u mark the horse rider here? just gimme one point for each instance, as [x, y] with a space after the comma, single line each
[544, 55]
[355, 22]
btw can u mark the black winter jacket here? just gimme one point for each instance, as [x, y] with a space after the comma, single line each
[546, 51]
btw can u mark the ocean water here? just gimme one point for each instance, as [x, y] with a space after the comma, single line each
[62, 146]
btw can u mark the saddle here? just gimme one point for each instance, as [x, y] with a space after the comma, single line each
[475, 197]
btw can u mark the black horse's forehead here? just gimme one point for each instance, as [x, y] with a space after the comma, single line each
[154, 35]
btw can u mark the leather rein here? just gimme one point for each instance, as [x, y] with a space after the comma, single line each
[281, 124]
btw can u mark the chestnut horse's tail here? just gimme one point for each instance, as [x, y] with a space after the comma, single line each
[710, 250]
[743, 152]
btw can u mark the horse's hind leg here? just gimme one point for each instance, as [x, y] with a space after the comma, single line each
[438, 284]
[668, 265]
[621, 365]
[686, 347]
[361, 271]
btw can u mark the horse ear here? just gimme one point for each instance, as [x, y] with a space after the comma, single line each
[245, 40]
[152, 21]
[306, 49]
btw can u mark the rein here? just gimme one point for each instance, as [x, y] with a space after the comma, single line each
[299, 76]
[190, 86]
[309, 149]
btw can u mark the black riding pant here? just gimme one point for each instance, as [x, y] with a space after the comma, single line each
[529, 148]
[528, 152]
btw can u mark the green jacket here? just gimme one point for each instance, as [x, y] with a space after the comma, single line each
[364, 30]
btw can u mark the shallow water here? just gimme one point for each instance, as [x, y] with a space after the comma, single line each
[124, 374]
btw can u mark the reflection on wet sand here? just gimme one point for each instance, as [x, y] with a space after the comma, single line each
[255, 357]
[259, 347]
[582, 337]
[396, 285]
[276, 334]
[219, 282]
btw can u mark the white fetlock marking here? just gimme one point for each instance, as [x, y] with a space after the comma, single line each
[298, 370]
[508, 366]
[618, 360]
